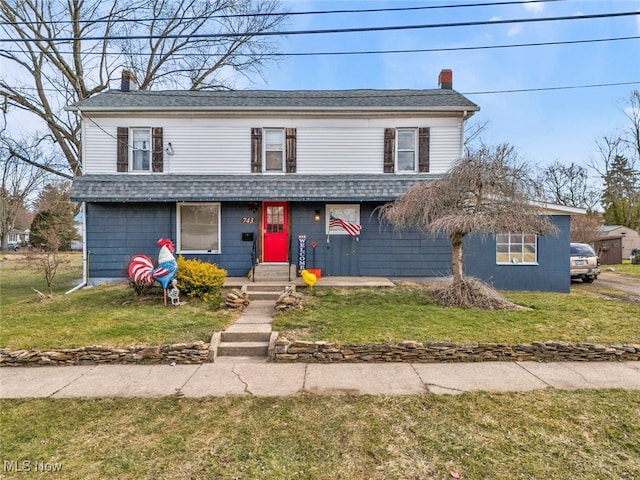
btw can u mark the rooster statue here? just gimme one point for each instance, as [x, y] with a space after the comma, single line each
[141, 269]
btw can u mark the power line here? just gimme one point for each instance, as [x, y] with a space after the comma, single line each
[376, 52]
[323, 31]
[278, 14]
[545, 89]
[455, 49]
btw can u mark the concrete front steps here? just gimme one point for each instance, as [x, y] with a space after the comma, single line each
[281, 272]
[250, 338]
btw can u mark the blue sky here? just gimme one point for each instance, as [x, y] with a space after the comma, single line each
[545, 126]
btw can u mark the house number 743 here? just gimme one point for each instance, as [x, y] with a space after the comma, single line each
[248, 220]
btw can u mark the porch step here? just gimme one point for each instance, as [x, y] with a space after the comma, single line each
[274, 271]
[243, 349]
[245, 336]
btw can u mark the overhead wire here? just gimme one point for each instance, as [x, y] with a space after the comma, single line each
[274, 14]
[322, 31]
[410, 50]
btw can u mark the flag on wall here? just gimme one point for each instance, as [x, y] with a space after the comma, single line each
[352, 229]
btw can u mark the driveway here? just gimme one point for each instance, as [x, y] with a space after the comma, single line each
[618, 282]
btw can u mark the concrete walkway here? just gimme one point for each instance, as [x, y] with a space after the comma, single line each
[269, 379]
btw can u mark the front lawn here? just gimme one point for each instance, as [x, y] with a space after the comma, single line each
[407, 313]
[590, 435]
[111, 315]
[108, 315]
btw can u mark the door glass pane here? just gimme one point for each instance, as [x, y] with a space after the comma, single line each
[275, 219]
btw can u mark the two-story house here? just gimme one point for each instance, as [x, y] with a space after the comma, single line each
[233, 176]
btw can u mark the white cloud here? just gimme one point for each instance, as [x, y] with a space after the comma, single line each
[495, 19]
[535, 7]
[515, 30]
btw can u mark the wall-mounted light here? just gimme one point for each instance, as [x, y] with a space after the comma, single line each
[169, 150]
[316, 217]
[253, 206]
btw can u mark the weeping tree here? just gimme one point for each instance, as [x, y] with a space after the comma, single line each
[489, 191]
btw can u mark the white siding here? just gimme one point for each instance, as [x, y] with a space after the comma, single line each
[344, 150]
[99, 148]
[223, 146]
[210, 150]
[444, 148]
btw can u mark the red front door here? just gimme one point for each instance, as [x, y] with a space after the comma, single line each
[274, 230]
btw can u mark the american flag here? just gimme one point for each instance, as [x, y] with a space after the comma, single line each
[351, 228]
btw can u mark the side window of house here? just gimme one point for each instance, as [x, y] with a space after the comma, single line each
[406, 150]
[198, 227]
[140, 150]
[516, 249]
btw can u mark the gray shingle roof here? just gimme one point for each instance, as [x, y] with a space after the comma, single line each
[435, 99]
[164, 188]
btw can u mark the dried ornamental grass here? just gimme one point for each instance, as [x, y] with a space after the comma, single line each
[470, 293]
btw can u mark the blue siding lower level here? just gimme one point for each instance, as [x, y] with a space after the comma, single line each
[115, 232]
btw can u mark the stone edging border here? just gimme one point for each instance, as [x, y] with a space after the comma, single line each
[412, 351]
[179, 353]
[285, 350]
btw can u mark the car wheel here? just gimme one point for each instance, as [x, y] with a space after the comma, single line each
[588, 279]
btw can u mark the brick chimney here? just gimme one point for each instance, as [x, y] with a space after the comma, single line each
[445, 79]
[129, 82]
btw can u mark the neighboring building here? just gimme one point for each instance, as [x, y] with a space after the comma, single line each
[19, 237]
[234, 175]
[618, 237]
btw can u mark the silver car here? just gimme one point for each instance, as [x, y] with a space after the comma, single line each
[585, 264]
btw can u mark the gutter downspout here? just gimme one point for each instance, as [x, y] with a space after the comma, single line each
[85, 280]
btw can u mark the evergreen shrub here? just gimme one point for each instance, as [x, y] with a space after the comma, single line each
[197, 279]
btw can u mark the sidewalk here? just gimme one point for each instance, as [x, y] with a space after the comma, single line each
[271, 379]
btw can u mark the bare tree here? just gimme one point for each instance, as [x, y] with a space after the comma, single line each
[473, 131]
[20, 180]
[64, 52]
[487, 192]
[570, 186]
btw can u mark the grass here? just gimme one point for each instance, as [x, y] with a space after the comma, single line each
[626, 269]
[111, 315]
[541, 434]
[392, 315]
[108, 315]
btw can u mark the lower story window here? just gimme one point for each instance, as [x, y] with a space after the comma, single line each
[199, 227]
[516, 248]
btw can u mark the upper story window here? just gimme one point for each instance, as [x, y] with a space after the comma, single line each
[274, 150]
[140, 149]
[516, 249]
[406, 150]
